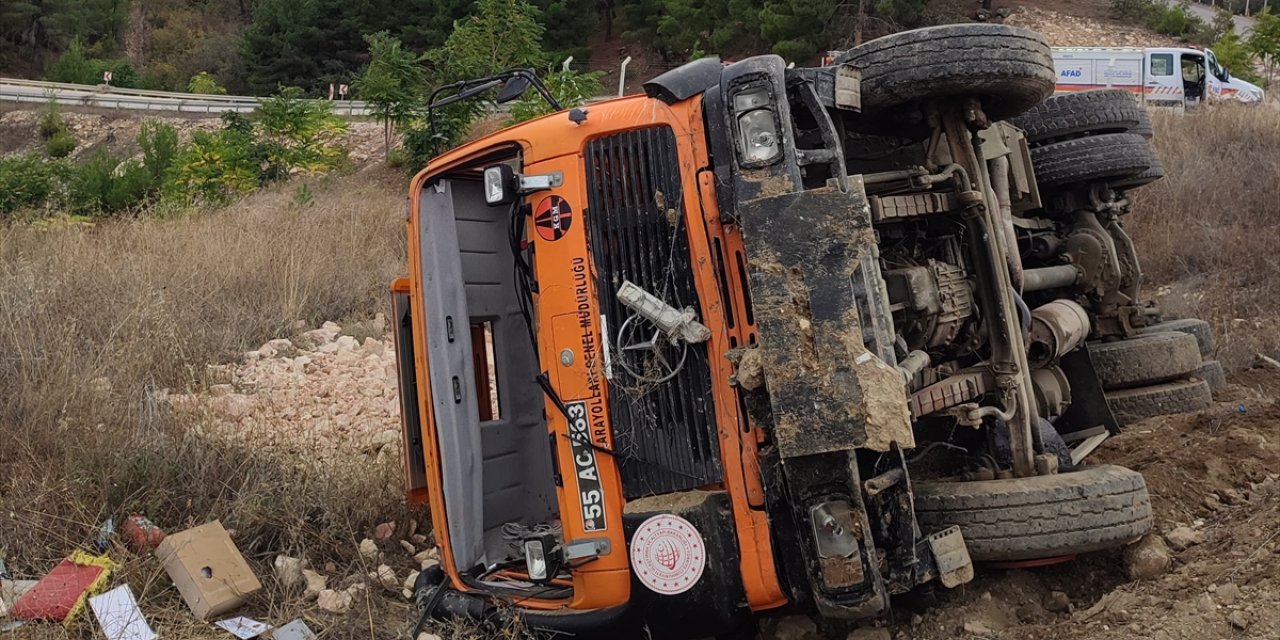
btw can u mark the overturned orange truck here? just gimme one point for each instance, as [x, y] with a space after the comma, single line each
[768, 337]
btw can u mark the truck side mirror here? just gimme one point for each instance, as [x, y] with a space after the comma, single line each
[512, 89]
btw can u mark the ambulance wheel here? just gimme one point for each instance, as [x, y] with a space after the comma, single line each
[1088, 508]
[1071, 115]
[1009, 69]
[1101, 158]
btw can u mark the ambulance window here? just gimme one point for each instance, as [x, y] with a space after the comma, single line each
[1162, 64]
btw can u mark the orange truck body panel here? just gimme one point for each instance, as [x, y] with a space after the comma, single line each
[567, 313]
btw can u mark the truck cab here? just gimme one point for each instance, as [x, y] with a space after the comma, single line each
[754, 339]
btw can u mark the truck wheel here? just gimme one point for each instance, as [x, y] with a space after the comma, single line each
[1143, 179]
[1089, 508]
[1100, 158]
[1193, 326]
[1009, 69]
[1182, 396]
[1144, 127]
[1145, 359]
[1070, 115]
[1211, 372]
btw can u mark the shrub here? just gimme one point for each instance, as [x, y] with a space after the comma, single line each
[76, 67]
[60, 145]
[26, 182]
[103, 185]
[220, 164]
[301, 134]
[206, 84]
[51, 122]
[569, 87]
[159, 143]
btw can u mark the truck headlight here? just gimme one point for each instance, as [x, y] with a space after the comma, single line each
[499, 185]
[540, 558]
[757, 125]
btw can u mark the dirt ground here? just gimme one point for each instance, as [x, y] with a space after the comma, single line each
[1213, 472]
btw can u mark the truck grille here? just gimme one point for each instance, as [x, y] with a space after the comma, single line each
[664, 432]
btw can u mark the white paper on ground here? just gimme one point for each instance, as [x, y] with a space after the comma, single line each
[118, 613]
[243, 628]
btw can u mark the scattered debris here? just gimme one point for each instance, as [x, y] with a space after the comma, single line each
[243, 628]
[207, 569]
[62, 593]
[1057, 602]
[296, 630]
[1238, 619]
[118, 615]
[143, 535]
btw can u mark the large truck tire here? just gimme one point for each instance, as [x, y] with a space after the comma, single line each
[1102, 158]
[1144, 128]
[1145, 359]
[1143, 179]
[1192, 326]
[1089, 508]
[1071, 115]
[1212, 373]
[1008, 68]
[1182, 396]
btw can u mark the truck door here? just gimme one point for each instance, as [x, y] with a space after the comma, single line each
[1164, 81]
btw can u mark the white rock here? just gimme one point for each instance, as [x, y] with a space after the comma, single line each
[315, 583]
[368, 550]
[319, 337]
[410, 579]
[385, 577]
[334, 601]
[266, 351]
[408, 547]
[429, 563]
[280, 344]
[288, 571]
[428, 636]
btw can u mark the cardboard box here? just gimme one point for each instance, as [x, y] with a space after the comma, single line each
[208, 570]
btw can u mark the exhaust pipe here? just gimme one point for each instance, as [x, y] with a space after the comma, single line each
[1056, 329]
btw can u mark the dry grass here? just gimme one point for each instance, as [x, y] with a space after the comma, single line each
[94, 322]
[1207, 233]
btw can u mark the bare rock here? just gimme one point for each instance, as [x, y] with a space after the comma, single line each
[315, 583]
[1238, 619]
[792, 628]
[1148, 558]
[974, 627]
[334, 601]
[428, 636]
[384, 577]
[872, 633]
[288, 571]
[368, 550]
[408, 547]
[384, 530]
[1182, 537]
[1057, 602]
[1227, 594]
[279, 344]
[407, 587]
[346, 343]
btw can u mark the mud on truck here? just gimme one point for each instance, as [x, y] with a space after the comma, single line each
[769, 337]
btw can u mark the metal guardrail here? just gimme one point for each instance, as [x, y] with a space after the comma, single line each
[108, 97]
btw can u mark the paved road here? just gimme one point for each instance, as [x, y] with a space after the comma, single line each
[1244, 26]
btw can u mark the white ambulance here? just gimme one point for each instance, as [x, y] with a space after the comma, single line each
[1164, 77]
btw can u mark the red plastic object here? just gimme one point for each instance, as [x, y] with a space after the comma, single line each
[143, 534]
[61, 594]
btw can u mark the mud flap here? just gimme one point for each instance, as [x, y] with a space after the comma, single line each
[950, 557]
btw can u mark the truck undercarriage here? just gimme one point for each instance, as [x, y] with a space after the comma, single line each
[772, 337]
